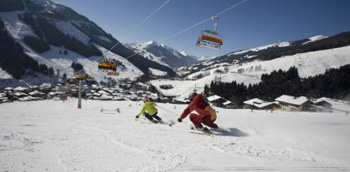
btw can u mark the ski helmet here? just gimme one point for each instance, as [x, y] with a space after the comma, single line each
[146, 99]
[192, 95]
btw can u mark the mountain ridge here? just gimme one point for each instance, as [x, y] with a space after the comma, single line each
[44, 26]
[163, 54]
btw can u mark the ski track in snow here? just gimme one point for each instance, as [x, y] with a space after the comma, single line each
[59, 137]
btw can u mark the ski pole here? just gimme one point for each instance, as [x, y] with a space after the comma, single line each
[167, 110]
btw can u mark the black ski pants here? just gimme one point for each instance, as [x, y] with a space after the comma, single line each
[150, 117]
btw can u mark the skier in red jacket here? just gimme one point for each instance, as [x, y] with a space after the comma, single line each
[206, 114]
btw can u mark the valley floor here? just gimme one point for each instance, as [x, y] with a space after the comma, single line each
[56, 136]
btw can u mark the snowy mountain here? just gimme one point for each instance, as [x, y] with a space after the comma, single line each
[273, 51]
[276, 50]
[308, 64]
[163, 54]
[55, 36]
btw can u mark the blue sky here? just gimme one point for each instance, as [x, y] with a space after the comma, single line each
[254, 23]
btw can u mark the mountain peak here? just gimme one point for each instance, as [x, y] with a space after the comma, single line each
[183, 53]
[149, 43]
[43, 2]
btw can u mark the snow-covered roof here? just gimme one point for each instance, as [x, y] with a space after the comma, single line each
[36, 93]
[52, 93]
[18, 94]
[106, 97]
[320, 100]
[253, 101]
[45, 86]
[265, 104]
[227, 103]
[97, 94]
[8, 88]
[214, 98]
[28, 98]
[292, 100]
[20, 89]
[336, 104]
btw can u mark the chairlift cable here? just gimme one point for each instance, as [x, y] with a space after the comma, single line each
[137, 26]
[195, 25]
[205, 20]
[149, 16]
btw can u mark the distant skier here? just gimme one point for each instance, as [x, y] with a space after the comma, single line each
[206, 114]
[149, 110]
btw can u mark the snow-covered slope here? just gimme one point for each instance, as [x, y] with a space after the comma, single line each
[163, 54]
[316, 38]
[4, 74]
[282, 44]
[56, 136]
[63, 63]
[80, 40]
[275, 50]
[55, 58]
[308, 64]
[139, 48]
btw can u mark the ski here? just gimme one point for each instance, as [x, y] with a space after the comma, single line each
[146, 121]
[203, 131]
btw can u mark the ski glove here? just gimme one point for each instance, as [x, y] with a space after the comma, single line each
[180, 120]
[137, 116]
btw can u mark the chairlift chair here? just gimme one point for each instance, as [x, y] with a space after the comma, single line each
[210, 38]
[108, 66]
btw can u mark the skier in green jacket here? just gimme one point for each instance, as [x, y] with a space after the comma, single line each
[150, 111]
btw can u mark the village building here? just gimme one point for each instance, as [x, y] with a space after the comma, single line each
[216, 100]
[268, 106]
[291, 103]
[324, 102]
[333, 105]
[8, 89]
[21, 89]
[249, 104]
[260, 104]
[229, 105]
[37, 94]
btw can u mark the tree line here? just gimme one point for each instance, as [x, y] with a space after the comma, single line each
[334, 83]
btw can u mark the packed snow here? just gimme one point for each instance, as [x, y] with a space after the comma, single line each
[56, 136]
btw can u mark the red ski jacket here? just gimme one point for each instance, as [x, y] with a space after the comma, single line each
[200, 106]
